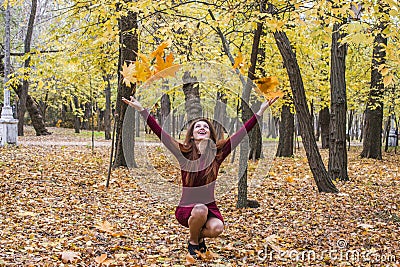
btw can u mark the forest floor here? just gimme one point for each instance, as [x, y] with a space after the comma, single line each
[56, 211]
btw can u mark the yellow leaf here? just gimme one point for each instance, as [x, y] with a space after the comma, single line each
[238, 61]
[167, 67]
[142, 71]
[290, 179]
[387, 80]
[267, 85]
[160, 49]
[128, 74]
[385, 71]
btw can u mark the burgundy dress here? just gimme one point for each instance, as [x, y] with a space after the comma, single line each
[199, 192]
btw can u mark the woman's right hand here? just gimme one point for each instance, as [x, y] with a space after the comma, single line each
[133, 103]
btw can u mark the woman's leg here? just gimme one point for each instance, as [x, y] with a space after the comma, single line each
[197, 219]
[213, 228]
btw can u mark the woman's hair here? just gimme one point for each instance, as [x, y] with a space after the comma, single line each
[191, 152]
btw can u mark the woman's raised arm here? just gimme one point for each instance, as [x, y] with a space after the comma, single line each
[165, 138]
[235, 139]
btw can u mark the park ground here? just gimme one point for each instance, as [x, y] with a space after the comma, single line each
[56, 211]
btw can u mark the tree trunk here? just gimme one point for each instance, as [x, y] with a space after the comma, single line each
[324, 121]
[286, 133]
[107, 113]
[165, 113]
[317, 167]
[36, 117]
[192, 97]
[34, 112]
[220, 114]
[25, 84]
[372, 141]
[255, 138]
[337, 166]
[127, 52]
[77, 119]
[246, 115]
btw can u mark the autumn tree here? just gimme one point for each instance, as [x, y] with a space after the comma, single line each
[337, 165]
[317, 167]
[127, 52]
[372, 141]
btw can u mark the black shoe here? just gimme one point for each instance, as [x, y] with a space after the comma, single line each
[202, 246]
[193, 249]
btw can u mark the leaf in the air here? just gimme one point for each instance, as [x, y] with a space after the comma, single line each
[142, 71]
[128, 72]
[267, 87]
[160, 49]
[166, 67]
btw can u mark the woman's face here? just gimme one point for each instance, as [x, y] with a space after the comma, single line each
[201, 130]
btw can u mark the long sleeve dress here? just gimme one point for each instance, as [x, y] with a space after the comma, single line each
[199, 192]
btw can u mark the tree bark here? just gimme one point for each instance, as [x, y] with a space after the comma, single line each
[246, 115]
[192, 97]
[324, 121]
[286, 133]
[220, 114]
[372, 140]
[317, 167]
[77, 118]
[34, 113]
[127, 52]
[36, 117]
[23, 95]
[165, 113]
[107, 113]
[255, 138]
[337, 165]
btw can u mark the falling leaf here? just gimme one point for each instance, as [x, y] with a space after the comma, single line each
[160, 49]
[69, 256]
[142, 71]
[100, 259]
[267, 87]
[128, 74]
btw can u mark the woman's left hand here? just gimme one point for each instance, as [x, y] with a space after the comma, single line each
[267, 103]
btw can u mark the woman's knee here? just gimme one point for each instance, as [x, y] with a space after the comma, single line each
[199, 210]
[217, 228]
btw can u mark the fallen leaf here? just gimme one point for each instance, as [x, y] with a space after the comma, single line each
[190, 259]
[69, 256]
[100, 259]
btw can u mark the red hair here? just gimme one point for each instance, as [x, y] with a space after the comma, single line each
[191, 152]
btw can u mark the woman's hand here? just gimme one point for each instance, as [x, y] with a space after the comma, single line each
[267, 103]
[133, 103]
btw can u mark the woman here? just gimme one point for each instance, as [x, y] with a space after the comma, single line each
[199, 157]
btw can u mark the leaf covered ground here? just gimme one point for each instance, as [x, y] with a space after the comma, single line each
[56, 211]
